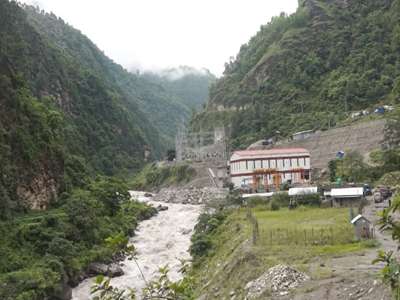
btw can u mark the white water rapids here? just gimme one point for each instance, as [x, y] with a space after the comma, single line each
[159, 241]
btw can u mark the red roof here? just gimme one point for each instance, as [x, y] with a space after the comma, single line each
[275, 151]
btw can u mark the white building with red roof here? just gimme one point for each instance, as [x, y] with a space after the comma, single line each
[268, 169]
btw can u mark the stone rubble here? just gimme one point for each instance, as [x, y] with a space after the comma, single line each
[190, 195]
[278, 279]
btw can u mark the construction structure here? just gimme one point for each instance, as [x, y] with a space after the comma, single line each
[206, 152]
[362, 137]
[201, 146]
[267, 170]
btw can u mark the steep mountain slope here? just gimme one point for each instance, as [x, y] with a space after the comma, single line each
[307, 70]
[67, 111]
[164, 102]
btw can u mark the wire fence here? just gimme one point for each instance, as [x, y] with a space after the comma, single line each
[254, 226]
[327, 235]
[308, 236]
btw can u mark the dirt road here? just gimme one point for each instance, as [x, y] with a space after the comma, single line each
[351, 276]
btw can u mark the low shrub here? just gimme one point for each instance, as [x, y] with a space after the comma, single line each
[282, 199]
[275, 205]
[256, 201]
[200, 246]
[201, 239]
[234, 198]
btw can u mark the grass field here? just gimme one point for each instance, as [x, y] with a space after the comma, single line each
[236, 260]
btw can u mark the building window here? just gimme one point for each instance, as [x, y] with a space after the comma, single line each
[262, 164]
[254, 164]
[298, 164]
[304, 161]
[247, 165]
[290, 161]
[283, 160]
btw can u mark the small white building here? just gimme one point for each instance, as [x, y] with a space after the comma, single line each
[266, 169]
[302, 135]
[363, 227]
[347, 196]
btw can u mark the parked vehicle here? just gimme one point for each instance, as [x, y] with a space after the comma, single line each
[367, 190]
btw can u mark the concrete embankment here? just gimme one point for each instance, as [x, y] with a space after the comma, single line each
[362, 137]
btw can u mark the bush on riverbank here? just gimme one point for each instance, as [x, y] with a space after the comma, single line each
[202, 238]
[43, 251]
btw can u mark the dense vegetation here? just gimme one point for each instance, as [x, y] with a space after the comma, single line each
[162, 99]
[68, 112]
[40, 253]
[307, 70]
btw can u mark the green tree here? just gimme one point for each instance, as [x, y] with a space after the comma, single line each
[352, 167]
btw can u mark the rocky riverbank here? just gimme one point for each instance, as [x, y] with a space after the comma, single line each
[191, 195]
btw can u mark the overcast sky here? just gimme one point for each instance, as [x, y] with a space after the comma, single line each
[154, 34]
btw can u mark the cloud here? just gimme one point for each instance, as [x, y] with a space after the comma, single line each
[159, 34]
[178, 73]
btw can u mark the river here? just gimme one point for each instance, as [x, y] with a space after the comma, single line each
[159, 241]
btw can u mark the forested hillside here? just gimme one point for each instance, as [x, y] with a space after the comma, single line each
[68, 112]
[306, 70]
[164, 100]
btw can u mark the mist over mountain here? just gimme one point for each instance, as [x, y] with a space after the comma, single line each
[189, 85]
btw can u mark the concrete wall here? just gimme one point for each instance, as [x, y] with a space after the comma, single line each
[362, 137]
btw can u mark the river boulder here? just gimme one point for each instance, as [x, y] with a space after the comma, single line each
[161, 207]
[112, 270]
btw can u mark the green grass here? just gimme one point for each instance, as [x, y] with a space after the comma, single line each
[235, 260]
[304, 217]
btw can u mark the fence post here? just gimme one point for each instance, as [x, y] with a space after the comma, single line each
[255, 231]
[312, 235]
[287, 236]
[321, 236]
